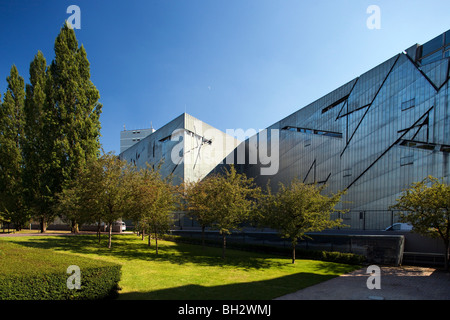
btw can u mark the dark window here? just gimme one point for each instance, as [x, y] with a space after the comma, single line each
[432, 45]
[447, 38]
[165, 139]
[312, 131]
[418, 144]
[432, 58]
[307, 142]
[408, 104]
[334, 104]
[407, 160]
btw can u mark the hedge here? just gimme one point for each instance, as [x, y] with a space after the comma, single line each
[330, 256]
[39, 274]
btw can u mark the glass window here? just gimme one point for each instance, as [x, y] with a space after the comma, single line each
[447, 38]
[307, 142]
[432, 58]
[404, 161]
[347, 173]
[445, 148]
[408, 104]
[432, 45]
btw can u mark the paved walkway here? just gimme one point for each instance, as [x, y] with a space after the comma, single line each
[397, 283]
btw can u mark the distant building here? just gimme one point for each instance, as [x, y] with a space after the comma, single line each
[131, 137]
[185, 147]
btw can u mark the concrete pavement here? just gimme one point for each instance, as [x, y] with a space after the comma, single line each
[396, 283]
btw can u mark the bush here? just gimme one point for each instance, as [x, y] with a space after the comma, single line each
[39, 274]
[330, 256]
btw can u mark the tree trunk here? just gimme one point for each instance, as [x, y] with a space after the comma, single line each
[293, 253]
[143, 233]
[98, 231]
[109, 235]
[203, 237]
[156, 241]
[149, 239]
[224, 245]
[74, 228]
[43, 225]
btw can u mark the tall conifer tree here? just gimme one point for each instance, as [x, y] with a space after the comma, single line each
[11, 139]
[37, 146]
[76, 106]
[64, 115]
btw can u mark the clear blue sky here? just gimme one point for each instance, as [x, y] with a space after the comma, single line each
[230, 63]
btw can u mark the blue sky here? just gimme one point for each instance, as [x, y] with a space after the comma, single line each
[231, 63]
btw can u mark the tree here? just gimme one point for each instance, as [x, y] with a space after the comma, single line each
[109, 188]
[297, 209]
[233, 200]
[198, 199]
[426, 206]
[11, 140]
[75, 100]
[101, 192]
[154, 199]
[40, 164]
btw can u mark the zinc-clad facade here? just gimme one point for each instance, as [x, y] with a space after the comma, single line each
[373, 136]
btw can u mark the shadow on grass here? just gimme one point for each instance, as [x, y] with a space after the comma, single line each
[130, 247]
[256, 290]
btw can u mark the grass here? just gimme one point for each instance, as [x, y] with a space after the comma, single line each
[188, 272]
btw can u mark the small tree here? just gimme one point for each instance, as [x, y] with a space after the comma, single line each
[426, 206]
[198, 198]
[153, 201]
[233, 200]
[102, 191]
[297, 209]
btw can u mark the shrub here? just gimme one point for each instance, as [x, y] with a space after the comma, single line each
[40, 274]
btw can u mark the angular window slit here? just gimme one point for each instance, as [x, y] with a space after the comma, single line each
[314, 131]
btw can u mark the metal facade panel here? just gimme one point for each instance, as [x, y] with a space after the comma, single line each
[386, 107]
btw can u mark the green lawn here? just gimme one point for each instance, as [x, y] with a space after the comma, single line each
[185, 272]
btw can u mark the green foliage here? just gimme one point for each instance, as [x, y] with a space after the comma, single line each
[40, 274]
[198, 198]
[152, 201]
[103, 192]
[224, 201]
[11, 140]
[298, 209]
[426, 206]
[40, 163]
[75, 100]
